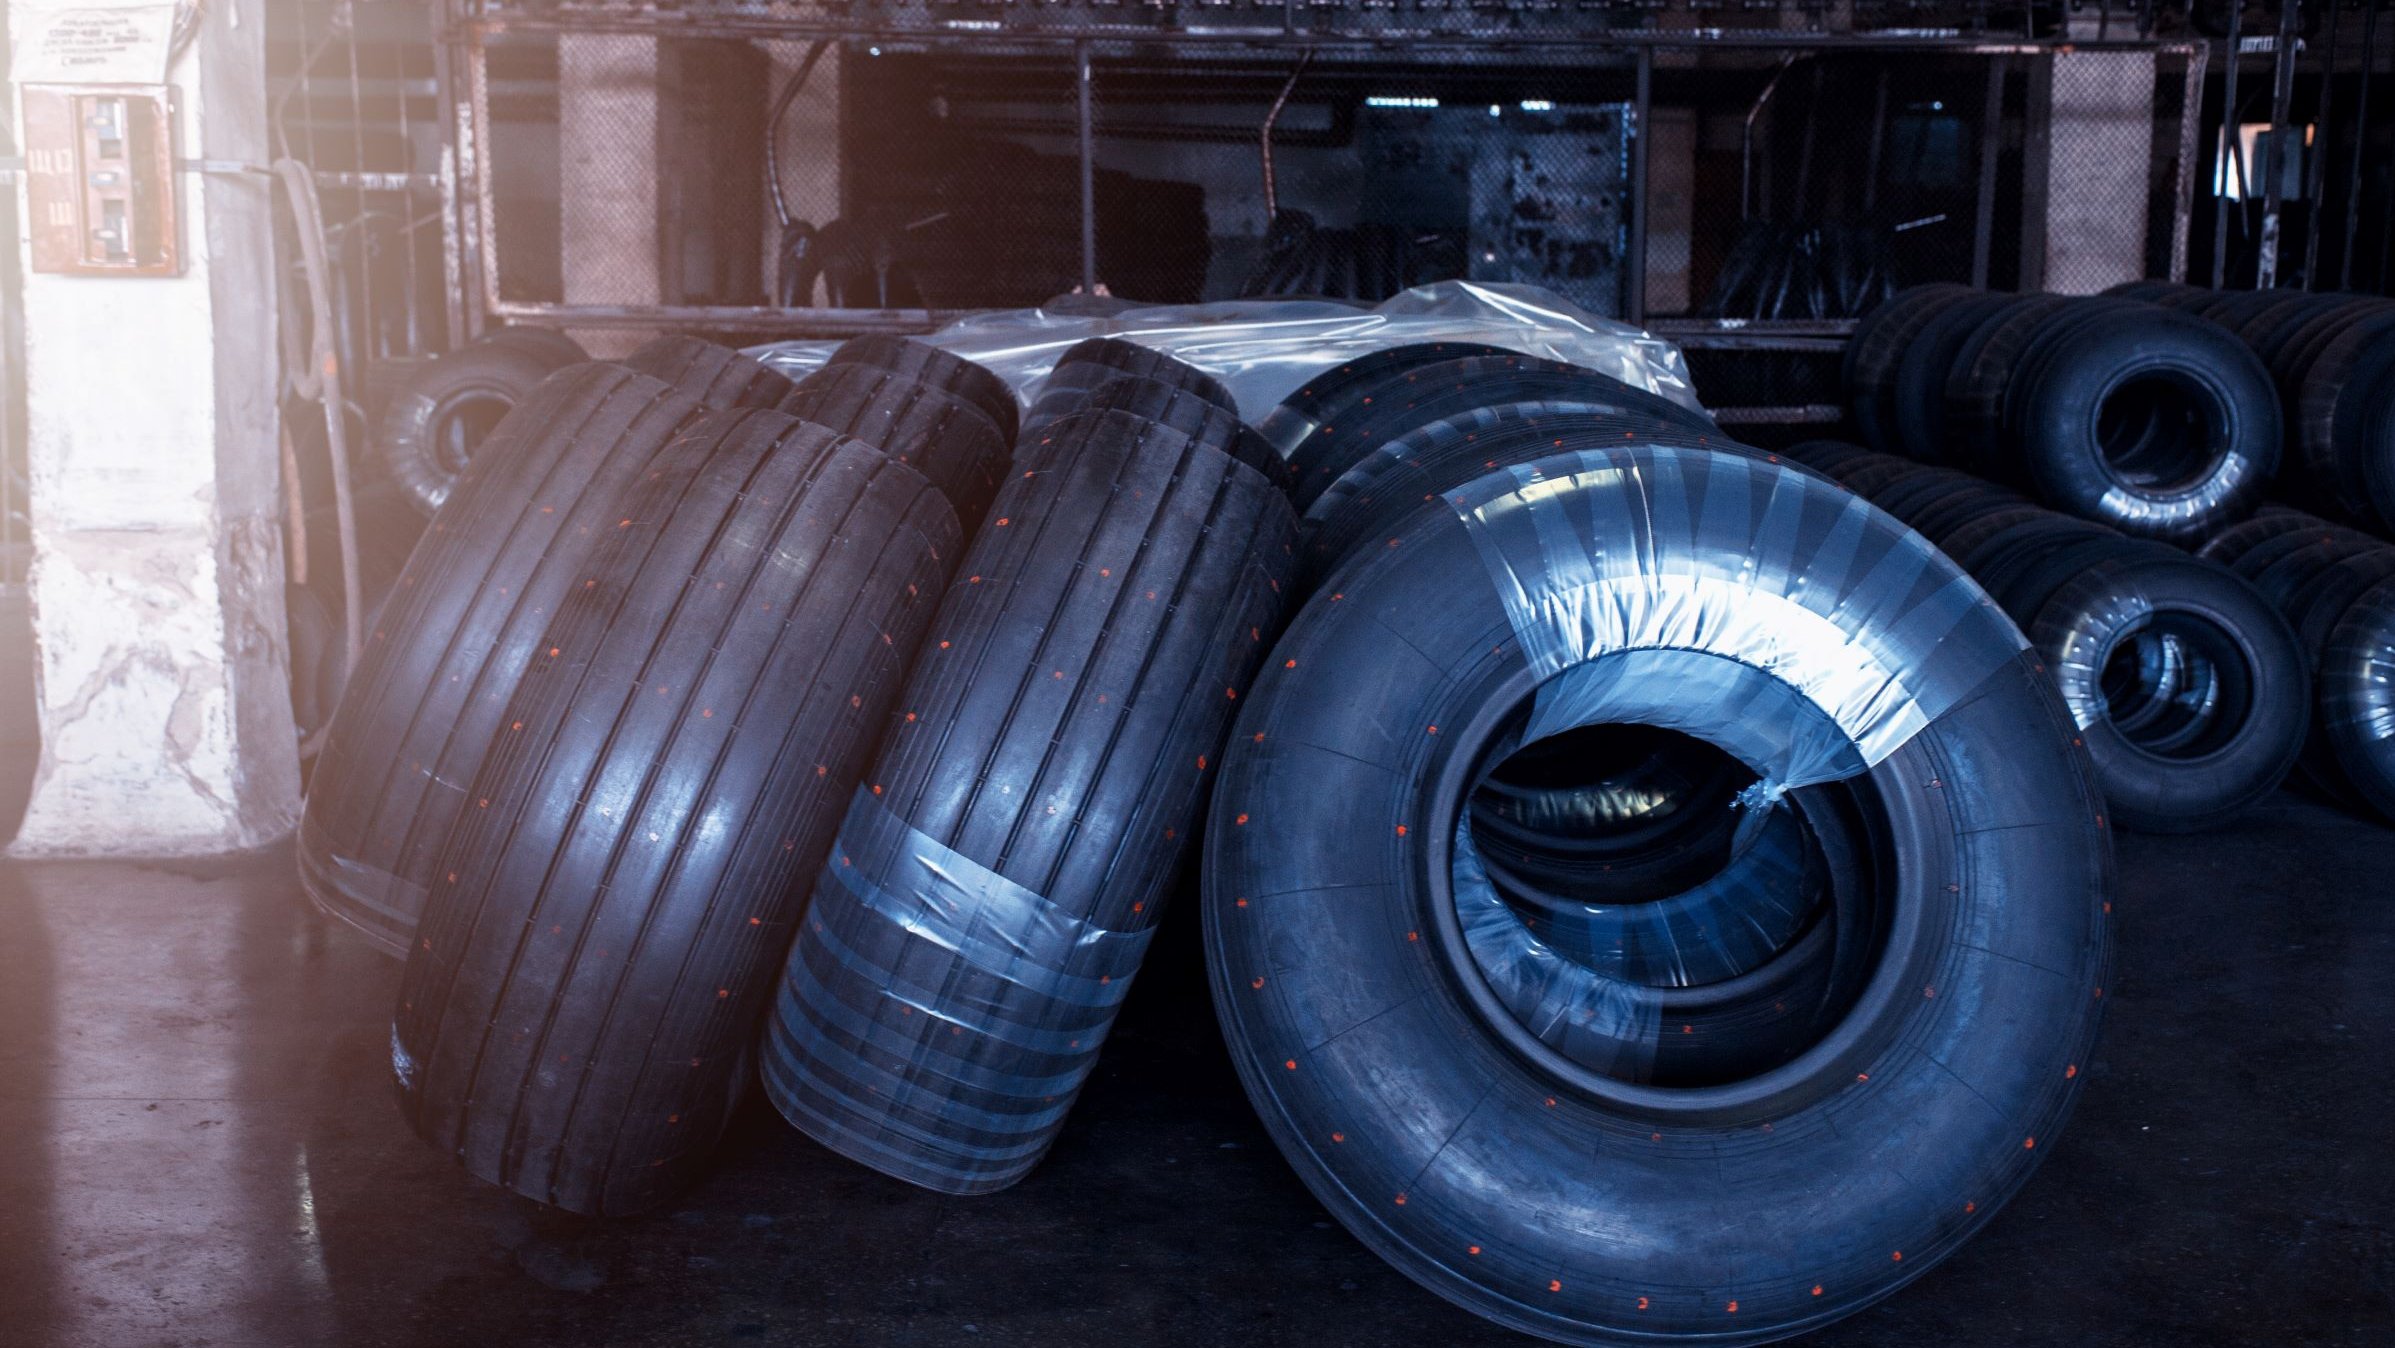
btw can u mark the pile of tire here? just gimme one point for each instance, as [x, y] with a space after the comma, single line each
[2336, 588]
[2185, 683]
[1629, 827]
[2150, 419]
[2332, 359]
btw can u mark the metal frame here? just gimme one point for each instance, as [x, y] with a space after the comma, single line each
[469, 191]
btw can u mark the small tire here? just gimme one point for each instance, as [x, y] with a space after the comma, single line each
[445, 412]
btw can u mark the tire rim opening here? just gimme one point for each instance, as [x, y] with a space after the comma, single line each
[1642, 917]
[463, 423]
[2177, 687]
[2158, 433]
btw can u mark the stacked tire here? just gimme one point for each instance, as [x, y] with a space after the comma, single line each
[2332, 360]
[2146, 418]
[2185, 683]
[2336, 588]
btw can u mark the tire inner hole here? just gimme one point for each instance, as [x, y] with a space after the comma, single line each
[2178, 687]
[2156, 433]
[463, 423]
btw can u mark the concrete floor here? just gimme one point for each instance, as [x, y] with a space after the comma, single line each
[193, 1066]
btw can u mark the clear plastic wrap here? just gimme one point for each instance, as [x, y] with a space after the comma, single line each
[1006, 999]
[1262, 349]
[1771, 614]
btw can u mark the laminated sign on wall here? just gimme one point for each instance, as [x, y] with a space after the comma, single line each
[81, 42]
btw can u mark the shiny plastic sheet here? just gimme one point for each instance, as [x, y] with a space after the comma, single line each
[1601, 552]
[987, 1006]
[1262, 349]
[1747, 604]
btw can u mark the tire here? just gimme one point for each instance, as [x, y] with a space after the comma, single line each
[430, 689]
[1170, 405]
[445, 413]
[714, 374]
[945, 438]
[2210, 442]
[2357, 697]
[578, 1010]
[1405, 400]
[1333, 393]
[943, 370]
[2241, 718]
[1878, 346]
[1915, 407]
[1976, 382]
[1087, 364]
[1550, 1197]
[550, 344]
[1031, 808]
[2344, 423]
[1375, 497]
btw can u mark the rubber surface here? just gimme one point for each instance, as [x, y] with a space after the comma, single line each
[581, 999]
[1053, 752]
[716, 375]
[949, 373]
[442, 415]
[947, 439]
[1486, 1177]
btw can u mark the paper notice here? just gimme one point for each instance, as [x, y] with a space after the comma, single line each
[91, 41]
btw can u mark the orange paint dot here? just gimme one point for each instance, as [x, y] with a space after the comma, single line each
[1003, 521]
[1471, 1249]
[721, 993]
[1401, 1200]
[1550, 1102]
[554, 650]
[1256, 983]
[2028, 1143]
[1241, 902]
[1413, 936]
[1338, 1137]
[1642, 1303]
[756, 922]
[1554, 1284]
[2070, 1071]
[1817, 1289]
[1231, 693]
[1434, 730]
[1898, 1256]
[1862, 1076]
[1733, 1308]
[1401, 830]
[1291, 1064]
[943, 645]
[1240, 820]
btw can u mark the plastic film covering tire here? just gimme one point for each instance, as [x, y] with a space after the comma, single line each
[1382, 1044]
[1263, 349]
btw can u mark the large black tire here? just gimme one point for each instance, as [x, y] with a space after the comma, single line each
[947, 439]
[579, 1006]
[1374, 497]
[1332, 393]
[2159, 424]
[1171, 405]
[1087, 364]
[716, 375]
[445, 412]
[949, 373]
[1562, 1200]
[465, 618]
[2344, 423]
[995, 887]
[1403, 400]
[1914, 410]
[1976, 382]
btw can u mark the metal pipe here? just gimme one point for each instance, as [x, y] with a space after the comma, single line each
[1879, 132]
[1089, 171]
[2361, 134]
[1991, 139]
[1634, 283]
[2316, 156]
[2282, 96]
[1746, 140]
[1272, 204]
[2231, 143]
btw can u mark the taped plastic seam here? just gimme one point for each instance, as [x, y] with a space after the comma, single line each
[1264, 349]
[936, 1018]
[1608, 560]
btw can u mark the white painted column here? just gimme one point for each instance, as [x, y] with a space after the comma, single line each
[157, 581]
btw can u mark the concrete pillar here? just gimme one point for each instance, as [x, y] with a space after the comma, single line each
[2088, 168]
[157, 578]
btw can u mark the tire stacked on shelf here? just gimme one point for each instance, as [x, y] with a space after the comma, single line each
[1845, 993]
[1085, 365]
[2332, 358]
[2185, 683]
[2336, 588]
[445, 409]
[2146, 417]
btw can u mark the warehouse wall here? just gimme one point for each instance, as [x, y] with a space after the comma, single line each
[158, 573]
